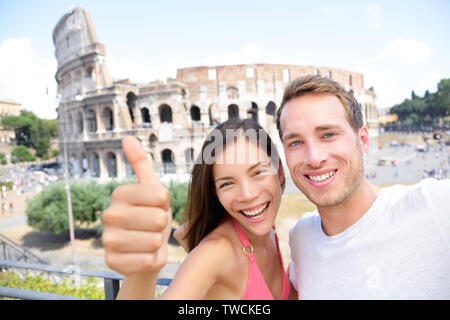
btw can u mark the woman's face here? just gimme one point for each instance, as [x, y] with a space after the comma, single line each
[248, 185]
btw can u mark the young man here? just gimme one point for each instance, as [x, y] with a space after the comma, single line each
[362, 242]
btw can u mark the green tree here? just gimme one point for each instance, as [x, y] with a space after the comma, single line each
[429, 109]
[22, 153]
[178, 197]
[32, 131]
[42, 145]
[48, 210]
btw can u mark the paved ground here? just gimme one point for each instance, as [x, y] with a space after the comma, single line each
[89, 251]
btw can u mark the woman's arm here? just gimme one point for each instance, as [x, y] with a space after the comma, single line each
[203, 268]
[180, 233]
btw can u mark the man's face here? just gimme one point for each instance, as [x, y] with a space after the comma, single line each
[323, 152]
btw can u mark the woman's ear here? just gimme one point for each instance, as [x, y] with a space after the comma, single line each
[281, 176]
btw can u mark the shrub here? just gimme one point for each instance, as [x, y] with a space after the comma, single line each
[88, 290]
[178, 194]
[48, 210]
[22, 153]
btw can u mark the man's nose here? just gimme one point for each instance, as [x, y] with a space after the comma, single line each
[316, 154]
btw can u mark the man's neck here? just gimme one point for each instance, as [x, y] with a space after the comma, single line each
[336, 219]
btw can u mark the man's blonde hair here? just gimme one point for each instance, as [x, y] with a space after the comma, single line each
[317, 85]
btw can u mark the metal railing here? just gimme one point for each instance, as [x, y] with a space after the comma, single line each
[10, 250]
[111, 281]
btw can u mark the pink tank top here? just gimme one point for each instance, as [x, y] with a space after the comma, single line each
[256, 286]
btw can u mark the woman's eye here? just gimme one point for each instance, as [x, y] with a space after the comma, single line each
[223, 185]
[260, 171]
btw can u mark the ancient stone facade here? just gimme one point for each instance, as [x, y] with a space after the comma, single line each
[8, 108]
[171, 118]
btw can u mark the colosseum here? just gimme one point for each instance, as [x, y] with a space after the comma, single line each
[171, 118]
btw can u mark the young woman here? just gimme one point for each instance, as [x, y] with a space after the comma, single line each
[233, 200]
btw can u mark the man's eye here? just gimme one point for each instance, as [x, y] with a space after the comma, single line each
[295, 143]
[329, 135]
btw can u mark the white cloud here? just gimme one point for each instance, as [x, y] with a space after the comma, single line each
[388, 88]
[27, 78]
[391, 75]
[393, 84]
[374, 19]
[407, 51]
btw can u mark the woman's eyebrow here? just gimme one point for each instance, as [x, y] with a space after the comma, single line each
[222, 178]
[262, 162]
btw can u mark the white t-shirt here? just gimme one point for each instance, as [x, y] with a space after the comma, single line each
[399, 249]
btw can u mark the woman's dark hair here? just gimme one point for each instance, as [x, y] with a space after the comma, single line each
[203, 210]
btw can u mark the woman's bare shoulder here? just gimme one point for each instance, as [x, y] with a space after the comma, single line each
[208, 269]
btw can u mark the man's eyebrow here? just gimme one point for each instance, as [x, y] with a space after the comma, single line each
[323, 127]
[289, 136]
[327, 127]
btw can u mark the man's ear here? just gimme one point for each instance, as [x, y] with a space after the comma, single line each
[363, 138]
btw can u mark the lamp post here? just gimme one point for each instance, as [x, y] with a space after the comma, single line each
[67, 187]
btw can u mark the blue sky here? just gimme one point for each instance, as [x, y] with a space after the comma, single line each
[399, 46]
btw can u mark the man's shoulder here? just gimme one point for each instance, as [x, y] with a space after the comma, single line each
[428, 188]
[425, 196]
[306, 222]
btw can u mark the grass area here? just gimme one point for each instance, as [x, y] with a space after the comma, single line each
[88, 290]
[294, 206]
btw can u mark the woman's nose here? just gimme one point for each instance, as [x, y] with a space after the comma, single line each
[247, 191]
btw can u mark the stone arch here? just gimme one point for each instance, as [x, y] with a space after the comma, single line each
[95, 165]
[91, 120]
[168, 161]
[165, 113]
[232, 93]
[108, 119]
[271, 108]
[69, 128]
[79, 122]
[84, 165]
[73, 164]
[195, 113]
[253, 111]
[111, 164]
[153, 139]
[131, 103]
[233, 111]
[146, 119]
